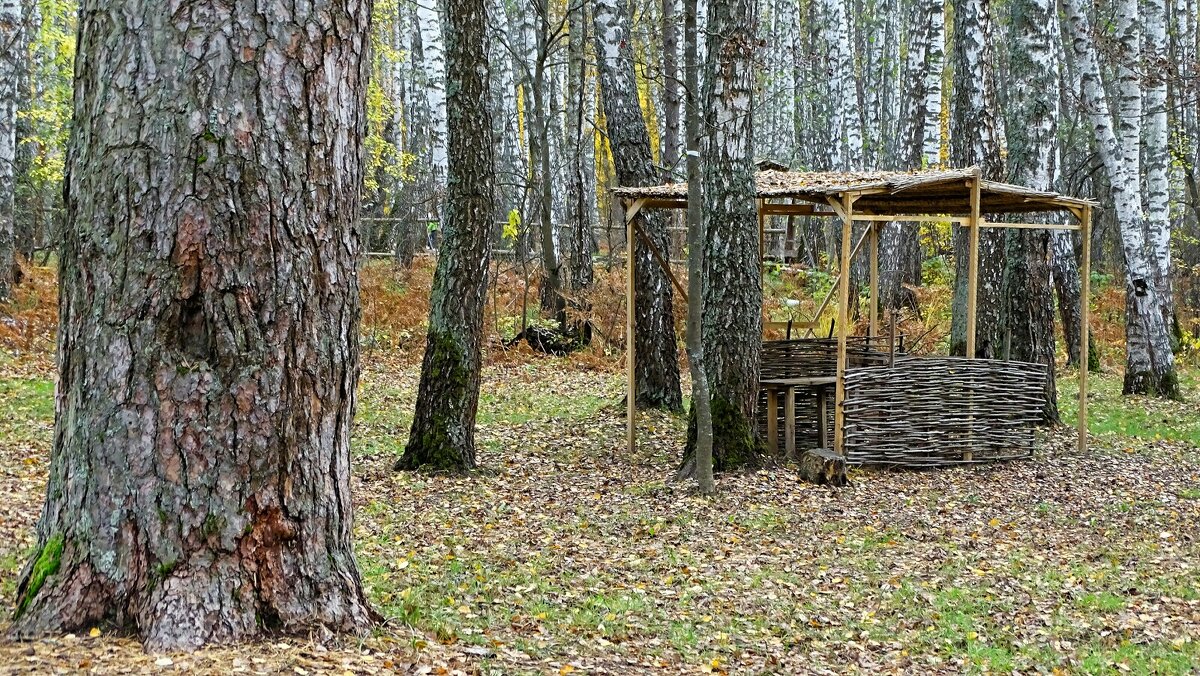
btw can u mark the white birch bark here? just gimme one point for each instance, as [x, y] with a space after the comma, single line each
[429, 22]
[1032, 125]
[1149, 361]
[1157, 158]
[977, 138]
[935, 63]
[10, 52]
[846, 147]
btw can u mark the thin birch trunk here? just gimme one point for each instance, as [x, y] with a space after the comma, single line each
[11, 39]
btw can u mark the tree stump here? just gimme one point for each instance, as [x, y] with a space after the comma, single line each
[824, 467]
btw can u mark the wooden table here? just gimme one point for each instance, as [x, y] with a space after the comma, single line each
[774, 386]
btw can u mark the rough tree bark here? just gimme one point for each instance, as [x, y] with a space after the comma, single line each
[442, 437]
[199, 484]
[657, 364]
[1065, 268]
[1028, 310]
[977, 138]
[10, 55]
[732, 325]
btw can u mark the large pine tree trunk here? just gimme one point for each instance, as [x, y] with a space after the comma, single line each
[199, 487]
[443, 429]
[656, 353]
[732, 323]
[10, 55]
[1149, 361]
[977, 138]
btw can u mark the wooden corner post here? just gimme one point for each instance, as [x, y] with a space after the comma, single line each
[847, 208]
[873, 314]
[1085, 279]
[630, 325]
[973, 262]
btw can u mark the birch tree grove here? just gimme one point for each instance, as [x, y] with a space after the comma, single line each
[1149, 360]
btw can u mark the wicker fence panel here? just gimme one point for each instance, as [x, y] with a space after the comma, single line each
[811, 358]
[927, 412]
[815, 357]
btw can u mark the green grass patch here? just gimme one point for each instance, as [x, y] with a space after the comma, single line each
[27, 411]
[1102, 602]
[1112, 414]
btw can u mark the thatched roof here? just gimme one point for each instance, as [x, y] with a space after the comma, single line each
[885, 192]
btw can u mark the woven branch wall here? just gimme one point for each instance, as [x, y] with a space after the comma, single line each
[810, 358]
[932, 411]
[815, 357]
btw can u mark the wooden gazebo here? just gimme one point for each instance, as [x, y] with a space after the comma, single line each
[958, 196]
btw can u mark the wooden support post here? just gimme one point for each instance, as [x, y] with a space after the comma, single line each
[789, 424]
[773, 420]
[1085, 278]
[630, 327]
[762, 240]
[873, 330]
[822, 417]
[973, 264]
[839, 398]
[892, 340]
[973, 279]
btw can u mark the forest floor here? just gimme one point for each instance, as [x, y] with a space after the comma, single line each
[565, 554]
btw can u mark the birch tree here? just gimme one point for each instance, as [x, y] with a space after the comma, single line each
[977, 138]
[11, 38]
[581, 166]
[1149, 361]
[699, 465]
[1155, 69]
[442, 437]
[656, 355]
[732, 323]
[846, 144]
[1028, 310]
[918, 146]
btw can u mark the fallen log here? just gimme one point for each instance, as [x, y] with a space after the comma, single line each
[823, 466]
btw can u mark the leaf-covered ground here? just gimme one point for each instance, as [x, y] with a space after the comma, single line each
[564, 554]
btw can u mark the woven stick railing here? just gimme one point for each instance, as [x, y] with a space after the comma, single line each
[937, 411]
[811, 358]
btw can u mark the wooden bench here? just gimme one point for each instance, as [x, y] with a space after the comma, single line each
[773, 386]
